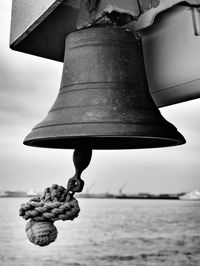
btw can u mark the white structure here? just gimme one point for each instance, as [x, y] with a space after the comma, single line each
[194, 195]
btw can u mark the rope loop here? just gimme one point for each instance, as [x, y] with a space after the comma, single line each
[54, 205]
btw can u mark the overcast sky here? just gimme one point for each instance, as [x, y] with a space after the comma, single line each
[28, 87]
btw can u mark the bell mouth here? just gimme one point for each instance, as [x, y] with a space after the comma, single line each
[108, 142]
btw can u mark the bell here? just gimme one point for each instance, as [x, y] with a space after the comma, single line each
[104, 98]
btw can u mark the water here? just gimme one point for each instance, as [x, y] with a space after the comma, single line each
[108, 232]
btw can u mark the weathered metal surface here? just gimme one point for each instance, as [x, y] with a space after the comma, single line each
[88, 16]
[40, 27]
[27, 15]
[172, 57]
[151, 8]
[104, 97]
[148, 4]
[143, 12]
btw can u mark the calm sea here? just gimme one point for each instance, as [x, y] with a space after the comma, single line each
[108, 232]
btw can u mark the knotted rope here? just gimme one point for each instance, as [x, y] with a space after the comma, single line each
[56, 204]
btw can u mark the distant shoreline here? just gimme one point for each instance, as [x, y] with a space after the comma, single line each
[146, 196]
[107, 196]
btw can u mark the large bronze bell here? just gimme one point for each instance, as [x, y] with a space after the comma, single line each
[104, 98]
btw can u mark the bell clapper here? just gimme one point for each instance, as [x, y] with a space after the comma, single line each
[81, 159]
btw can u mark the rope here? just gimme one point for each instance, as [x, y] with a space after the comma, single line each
[55, 204]
[41, 233]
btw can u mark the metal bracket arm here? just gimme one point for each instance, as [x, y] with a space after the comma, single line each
[151, 8]
[134, 14]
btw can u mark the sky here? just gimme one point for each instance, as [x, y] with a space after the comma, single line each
[28, 87]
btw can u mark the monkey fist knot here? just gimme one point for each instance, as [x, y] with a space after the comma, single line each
[41, 233]
[43, 211]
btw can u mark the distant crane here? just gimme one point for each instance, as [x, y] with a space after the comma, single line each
[121, 188]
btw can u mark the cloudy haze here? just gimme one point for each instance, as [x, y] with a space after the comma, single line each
[28, 87]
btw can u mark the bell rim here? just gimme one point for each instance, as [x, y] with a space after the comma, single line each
[103, 142]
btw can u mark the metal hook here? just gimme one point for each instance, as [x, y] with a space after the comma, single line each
[81, 158]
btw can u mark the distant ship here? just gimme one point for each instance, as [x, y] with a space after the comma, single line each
[194, 195]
